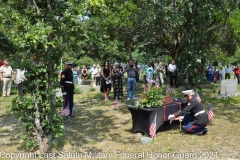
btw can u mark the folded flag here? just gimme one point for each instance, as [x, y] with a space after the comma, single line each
[210, 113]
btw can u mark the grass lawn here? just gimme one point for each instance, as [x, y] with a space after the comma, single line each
[106, 133]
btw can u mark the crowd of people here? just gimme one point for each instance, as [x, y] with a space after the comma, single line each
[217, 74]
[110, 76]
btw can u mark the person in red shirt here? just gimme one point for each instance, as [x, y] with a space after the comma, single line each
[237, 73]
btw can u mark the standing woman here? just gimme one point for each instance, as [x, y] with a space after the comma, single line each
[75, 76]
[106, 82]
[149, 71]
[117, 81]
[84, 72]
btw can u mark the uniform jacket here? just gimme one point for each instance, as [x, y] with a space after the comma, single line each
[68, 74]
[192, 108]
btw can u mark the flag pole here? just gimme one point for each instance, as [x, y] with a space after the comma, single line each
[180, 125]
[156, 125]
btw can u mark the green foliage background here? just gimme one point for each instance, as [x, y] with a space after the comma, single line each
[35, 35]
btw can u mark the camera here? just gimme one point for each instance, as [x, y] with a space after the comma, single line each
[131, 66]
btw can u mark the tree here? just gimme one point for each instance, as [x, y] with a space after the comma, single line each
[41, 32]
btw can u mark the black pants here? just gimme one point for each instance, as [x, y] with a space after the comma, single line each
[98, 81]
[238, 76]
[173, 77]
[20, 89]
[227, 76]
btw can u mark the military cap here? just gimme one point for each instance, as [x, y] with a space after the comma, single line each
[68, 63]
[187, 92]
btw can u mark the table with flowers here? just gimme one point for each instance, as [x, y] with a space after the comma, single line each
[143, 117]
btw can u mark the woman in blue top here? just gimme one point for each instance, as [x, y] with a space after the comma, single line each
[75, 75]
[149, 71]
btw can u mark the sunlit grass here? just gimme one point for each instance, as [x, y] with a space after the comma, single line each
[99, 127]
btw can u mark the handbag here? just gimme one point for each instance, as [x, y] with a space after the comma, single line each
[108, 82]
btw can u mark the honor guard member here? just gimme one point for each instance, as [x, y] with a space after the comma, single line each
[195, 117]
[67, 86]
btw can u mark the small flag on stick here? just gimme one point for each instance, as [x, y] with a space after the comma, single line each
[210, 113]
[197, 96]
[115, 103]
[152, 129]
[168, 89]
[65, 112]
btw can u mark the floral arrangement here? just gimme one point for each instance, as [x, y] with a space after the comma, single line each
[152, 95]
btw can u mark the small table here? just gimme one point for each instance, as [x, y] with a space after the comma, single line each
[142, 118]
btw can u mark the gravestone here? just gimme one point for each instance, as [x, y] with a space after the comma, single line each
[229, 88]
[86, 82]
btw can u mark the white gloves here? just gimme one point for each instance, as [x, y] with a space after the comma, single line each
[171, 117]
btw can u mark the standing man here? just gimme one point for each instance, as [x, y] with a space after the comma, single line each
[237, 73]
[6, 76]
[67, 87]
[131, 70]
[159, 70]
[228, 72]
[93, 72]
[172, 70]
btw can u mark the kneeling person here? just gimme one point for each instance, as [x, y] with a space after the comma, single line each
[195, 117]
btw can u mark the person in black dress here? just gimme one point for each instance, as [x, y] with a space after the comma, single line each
[106, 82]
[84, 72]
[117, 81]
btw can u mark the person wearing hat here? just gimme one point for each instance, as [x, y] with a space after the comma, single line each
[67, 86]
[195, 117]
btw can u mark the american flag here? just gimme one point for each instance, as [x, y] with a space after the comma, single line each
[152, 129]
[197, 96]
[65, 112]
[210, 113]
[168, 89]
[115, 103]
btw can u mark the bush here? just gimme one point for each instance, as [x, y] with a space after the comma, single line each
[77, 90]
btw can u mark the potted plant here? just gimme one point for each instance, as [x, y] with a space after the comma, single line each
[152, 95]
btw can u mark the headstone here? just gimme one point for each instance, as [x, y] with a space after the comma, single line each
[86, 82]
[145, 140]
[229, 88]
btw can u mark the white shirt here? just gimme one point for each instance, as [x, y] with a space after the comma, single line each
[228, 70]
[221, 71]
[172, 67]
[20, 75]
[94, 70]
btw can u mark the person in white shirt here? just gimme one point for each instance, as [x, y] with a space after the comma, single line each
[221, 72]
[20, 79]
[159, 69]
[172, 70]
[93, 72]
